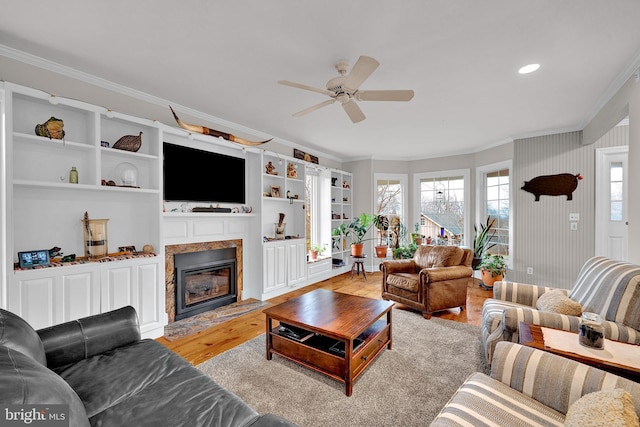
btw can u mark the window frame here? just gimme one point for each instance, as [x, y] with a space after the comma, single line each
[481, 200]
[466, 176]
[404, 184]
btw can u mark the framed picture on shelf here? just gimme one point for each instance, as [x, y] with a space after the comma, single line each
[275, 191]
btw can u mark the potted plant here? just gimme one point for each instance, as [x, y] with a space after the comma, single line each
[316, 250]
[416, 237]
[357, 230]
[382, 224]
[405, 252]
[493, 269]
[482, 241]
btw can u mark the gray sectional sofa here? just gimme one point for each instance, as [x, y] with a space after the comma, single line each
[108, 376]
[604, 286]
[529, 387]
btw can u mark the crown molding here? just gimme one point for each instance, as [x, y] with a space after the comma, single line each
[66, 71]
[613, 88]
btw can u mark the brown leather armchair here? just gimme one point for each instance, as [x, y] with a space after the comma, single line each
[435, 279]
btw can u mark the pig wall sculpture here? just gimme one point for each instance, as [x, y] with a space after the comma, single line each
[562, 184]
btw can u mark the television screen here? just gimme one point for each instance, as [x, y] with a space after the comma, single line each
[193, 175]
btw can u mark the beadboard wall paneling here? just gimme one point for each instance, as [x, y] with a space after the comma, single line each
[543, 239]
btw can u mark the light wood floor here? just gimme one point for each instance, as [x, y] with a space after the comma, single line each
[206, 344]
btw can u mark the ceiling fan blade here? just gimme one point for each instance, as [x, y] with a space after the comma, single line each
[305, 87]
[384, 95]
[360, 72]
[355, 113]
[313, 108]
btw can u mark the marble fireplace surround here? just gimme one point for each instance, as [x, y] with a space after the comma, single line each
[171, 250]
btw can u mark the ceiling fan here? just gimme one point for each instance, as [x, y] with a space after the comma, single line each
[345, 89]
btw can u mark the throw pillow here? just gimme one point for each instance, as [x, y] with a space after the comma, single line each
[557, 301]
[611, 408]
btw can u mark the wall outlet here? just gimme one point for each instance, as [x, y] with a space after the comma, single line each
[574, 226]
[574, 217]
[529, 270]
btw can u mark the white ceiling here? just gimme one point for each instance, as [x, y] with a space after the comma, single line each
[224, 58]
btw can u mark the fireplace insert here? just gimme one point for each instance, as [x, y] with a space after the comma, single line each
[204, 280]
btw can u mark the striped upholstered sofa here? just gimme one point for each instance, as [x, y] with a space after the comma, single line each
[529, 387]
[604, 286]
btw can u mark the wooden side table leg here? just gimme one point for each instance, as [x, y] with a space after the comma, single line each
[364, 272]
[353, 267]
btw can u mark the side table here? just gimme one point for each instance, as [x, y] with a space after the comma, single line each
[532, 336]
[358, 264]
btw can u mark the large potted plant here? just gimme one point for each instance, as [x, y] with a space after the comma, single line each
[482, 241]
[357, 230]
[382, 224]
[493, 269]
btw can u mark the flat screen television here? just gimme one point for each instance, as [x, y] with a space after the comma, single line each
[193, 175]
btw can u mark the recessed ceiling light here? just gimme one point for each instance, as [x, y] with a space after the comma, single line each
[529, 68]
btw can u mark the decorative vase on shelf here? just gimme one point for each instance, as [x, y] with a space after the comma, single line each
[73, 175]
[95, 237]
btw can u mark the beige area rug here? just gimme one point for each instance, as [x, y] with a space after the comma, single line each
[199, 322]
[405, 386]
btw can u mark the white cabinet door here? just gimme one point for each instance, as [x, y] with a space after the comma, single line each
[274, 267]
[50, 296]
[134, 282]
[296, 262]
[80, 294]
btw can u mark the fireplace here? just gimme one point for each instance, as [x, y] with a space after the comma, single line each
[204, 280]
[213, 273]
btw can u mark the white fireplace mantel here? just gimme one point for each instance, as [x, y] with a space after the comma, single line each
[180, 228]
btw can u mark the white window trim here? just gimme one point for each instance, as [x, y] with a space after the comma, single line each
[481, 202]
[466, 174]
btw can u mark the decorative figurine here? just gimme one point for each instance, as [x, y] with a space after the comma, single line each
[292, 172]
[271, 169]
[52, 128]
[55, 252]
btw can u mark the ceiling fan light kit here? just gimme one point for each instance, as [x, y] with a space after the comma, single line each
[346, 89]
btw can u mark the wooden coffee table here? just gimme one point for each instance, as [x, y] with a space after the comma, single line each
[531, 336]
[339, 335]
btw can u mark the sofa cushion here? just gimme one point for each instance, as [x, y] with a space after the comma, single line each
[26, 381]
[556, 301]
[17, 334]
[611, 289]
[145, 383]
[612, 408]
[406, 281]
[481, 400]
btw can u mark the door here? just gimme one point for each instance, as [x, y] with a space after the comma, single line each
[611, 203]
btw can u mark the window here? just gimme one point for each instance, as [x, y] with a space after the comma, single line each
[318, 207]
[494, 201]
[616, 174]
[390, 202]
[443, 215]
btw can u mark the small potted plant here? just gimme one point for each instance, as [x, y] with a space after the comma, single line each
[316, 250]
[416, 237]
[493, 269]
